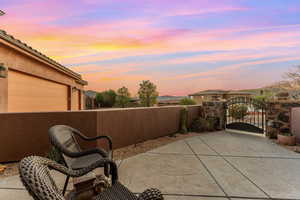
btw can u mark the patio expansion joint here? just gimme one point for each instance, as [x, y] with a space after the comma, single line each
[11, 188]
[178, 154]
[227, 197]
[220, 196]
[119, 165]
[206, 168]
[234, 167]
[226, 156]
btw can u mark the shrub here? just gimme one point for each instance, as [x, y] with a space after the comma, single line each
[183, 120]
[187, 101]
[201, 125]
[106, 98]
[238, 111]
[286, 133]
[213, 123]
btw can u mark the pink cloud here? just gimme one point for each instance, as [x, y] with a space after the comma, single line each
[203, 11]
[230, 68]
[99, 41]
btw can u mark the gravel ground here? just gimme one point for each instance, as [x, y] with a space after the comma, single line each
[119, 154]
[11, 169]
[132, 150]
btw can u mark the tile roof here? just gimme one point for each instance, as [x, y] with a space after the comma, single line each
[24, 46]
[221, 92]
[210, 92]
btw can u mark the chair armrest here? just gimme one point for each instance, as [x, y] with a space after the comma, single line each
[107, 138]
[86, 170]
[87, 152]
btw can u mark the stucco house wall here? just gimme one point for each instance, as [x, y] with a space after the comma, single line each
[33, 78]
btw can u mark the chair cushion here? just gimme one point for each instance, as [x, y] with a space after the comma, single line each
[85, 161]
[117, 192]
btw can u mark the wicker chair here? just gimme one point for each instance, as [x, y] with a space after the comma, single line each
[35, 175]
[62, 137]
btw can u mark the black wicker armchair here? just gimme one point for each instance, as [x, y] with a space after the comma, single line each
[62, 137]
[35, 175]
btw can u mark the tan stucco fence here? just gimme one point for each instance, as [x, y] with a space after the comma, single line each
[24, 134]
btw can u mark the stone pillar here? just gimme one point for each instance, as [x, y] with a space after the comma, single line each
[278, 117]
[215, 109]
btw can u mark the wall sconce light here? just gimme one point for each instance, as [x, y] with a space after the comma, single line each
[74, 89]
[3, 71]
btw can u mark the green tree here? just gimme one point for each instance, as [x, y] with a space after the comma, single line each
[99, 99]
[123, 97]
[106, 98]
[262, 99]
[187, 101]
[238, 111]
[147, 93]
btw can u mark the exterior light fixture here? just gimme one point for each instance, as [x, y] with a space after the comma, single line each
[3, 71]
[74, 89]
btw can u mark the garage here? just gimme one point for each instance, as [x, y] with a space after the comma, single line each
[28, 93]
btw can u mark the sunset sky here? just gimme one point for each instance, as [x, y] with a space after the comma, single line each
[183, 46]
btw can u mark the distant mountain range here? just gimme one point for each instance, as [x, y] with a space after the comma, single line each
[93, 94]
[257, 91]
[169, 98]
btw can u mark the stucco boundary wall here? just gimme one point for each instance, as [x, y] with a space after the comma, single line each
[24, 134]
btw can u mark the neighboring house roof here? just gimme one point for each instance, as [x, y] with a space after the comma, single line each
[220, 92]
[169, 98]
[240, 93]
[10, 39]
[91, 93]
[210, 92]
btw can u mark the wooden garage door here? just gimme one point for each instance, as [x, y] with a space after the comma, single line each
[29, 94]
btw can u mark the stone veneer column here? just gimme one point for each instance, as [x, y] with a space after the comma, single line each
[215, 109]
[278, 117]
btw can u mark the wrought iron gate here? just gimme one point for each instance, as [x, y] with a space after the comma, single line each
[246, 114]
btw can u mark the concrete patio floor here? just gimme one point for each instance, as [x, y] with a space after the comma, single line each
[212, 166]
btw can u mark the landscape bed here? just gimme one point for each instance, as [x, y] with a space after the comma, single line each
[121, 153]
